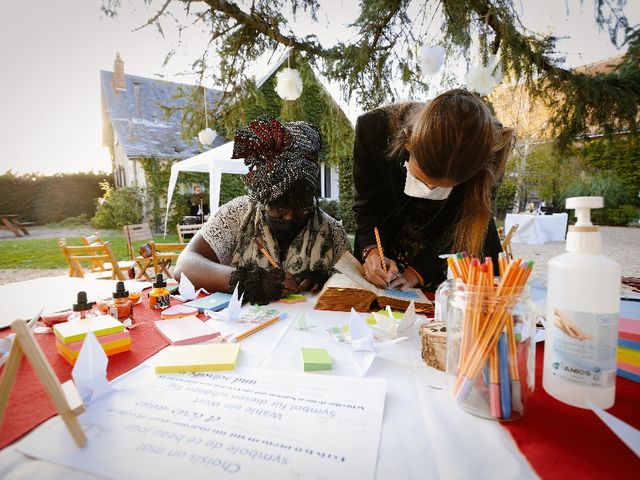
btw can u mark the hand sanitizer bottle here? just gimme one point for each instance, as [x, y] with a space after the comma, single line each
[583, 302]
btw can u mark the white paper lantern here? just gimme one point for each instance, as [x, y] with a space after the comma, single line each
[483, 79]
[289, 84]
[431, 59]
[207, 136]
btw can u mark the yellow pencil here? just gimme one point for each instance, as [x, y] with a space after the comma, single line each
[380, 251]
[260, 326]
[265, 253]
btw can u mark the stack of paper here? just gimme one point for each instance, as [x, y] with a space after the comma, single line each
[629, 349]
[111, 334]
[198, 358]
[187, 330]
[315, 359]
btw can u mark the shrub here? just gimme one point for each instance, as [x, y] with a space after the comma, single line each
[118, 207]
[79, 221]
[618, 196]
[330, 207]
[623, 215]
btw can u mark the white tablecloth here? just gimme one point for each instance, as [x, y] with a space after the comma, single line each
[537, 229]
[424, 434]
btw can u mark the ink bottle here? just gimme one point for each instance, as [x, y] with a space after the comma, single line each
[120, 307]
[82, 309]
[159, 298]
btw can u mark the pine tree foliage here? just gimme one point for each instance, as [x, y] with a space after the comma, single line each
[387, 35]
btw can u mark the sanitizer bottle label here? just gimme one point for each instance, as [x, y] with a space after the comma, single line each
[584, 347]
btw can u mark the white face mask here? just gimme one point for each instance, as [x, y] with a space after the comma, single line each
[415, 188]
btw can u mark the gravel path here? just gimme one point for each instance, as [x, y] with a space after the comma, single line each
[620, 243]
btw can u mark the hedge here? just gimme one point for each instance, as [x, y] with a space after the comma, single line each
[45, 199]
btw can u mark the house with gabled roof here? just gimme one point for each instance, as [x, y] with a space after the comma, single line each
[135, 126]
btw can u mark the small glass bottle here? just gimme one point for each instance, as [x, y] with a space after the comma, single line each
[120, 306]
[82, 309]
[441, 299]
[159, 298]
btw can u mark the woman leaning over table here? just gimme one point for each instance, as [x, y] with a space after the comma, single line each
[423, 174]
[280, 211]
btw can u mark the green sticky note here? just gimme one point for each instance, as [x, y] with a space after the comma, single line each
[372, 321]
[315, 359]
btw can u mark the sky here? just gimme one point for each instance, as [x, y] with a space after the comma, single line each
[51, 54]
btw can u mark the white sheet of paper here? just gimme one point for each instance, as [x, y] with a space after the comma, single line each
[629, 435]
[241, 424]
[90, 371]
[232, 312]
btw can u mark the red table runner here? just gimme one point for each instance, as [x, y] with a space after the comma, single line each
[29, 404]
[561, 441]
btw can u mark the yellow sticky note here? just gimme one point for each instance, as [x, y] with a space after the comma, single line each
[198, 358]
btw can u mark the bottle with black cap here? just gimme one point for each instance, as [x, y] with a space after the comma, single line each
[159, 297]
[82, 309]
[120, 307]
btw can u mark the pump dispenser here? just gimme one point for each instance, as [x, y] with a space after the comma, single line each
[583, 302]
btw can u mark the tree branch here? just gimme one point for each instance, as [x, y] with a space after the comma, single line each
[153, 19]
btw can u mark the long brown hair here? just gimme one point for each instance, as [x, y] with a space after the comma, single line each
[455, 137]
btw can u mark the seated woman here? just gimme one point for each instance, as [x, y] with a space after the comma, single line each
[280, 216]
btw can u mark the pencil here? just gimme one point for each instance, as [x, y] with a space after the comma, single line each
[260, 326]
[265, 253]
[380, 251]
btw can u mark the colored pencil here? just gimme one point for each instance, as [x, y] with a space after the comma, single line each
[265, 252]
[380, 251]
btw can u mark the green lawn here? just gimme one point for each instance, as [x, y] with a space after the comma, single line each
[44, 252]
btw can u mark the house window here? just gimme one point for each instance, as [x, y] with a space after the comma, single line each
[326, 190]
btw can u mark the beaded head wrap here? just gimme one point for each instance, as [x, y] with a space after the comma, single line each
[277, 155]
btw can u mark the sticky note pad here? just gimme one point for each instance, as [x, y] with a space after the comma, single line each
[75, 330]
[315, 359]
[198, 358]
[293, 298]
[215, 301]
[186, 330]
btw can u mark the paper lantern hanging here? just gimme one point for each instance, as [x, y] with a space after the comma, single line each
[483, 79]
[207, 136]
[289, 84]
[431, 59]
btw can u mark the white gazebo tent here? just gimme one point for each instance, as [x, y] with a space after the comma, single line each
[216, 162]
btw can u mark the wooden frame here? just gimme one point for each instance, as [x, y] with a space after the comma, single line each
[65, 397]
[506, 243]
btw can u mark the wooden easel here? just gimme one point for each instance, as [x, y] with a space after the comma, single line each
[64, 396]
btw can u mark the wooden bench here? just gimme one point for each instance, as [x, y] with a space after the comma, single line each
[10, 222]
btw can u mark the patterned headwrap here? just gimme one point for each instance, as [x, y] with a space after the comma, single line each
[277, 155]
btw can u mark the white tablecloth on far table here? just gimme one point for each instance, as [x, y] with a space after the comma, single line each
[537, 229]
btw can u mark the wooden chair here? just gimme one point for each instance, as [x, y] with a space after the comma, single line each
[97, 254]
[96, 265]
[188, 229]
[506, 243]
[162, 254]
[138, 234]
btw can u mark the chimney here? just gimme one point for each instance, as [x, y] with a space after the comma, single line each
[118, 81]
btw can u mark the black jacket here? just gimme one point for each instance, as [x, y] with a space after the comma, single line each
[413, 231]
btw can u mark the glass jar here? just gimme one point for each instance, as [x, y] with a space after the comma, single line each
[491, 350]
